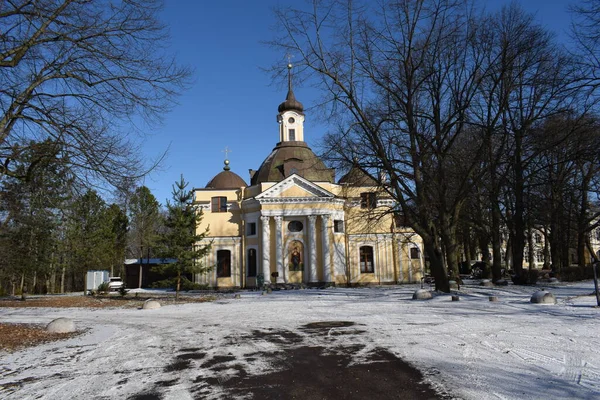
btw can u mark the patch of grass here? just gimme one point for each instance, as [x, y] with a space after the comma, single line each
[17, 336]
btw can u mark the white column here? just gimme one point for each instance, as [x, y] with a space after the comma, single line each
[266, 248]
[279, 249]
[326, 249]
[311, 272]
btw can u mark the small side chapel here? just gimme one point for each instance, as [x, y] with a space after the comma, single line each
[295, 224]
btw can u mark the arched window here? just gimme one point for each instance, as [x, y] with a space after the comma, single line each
[251, 262]
[366, 259]
[223, 263]
[415, 253]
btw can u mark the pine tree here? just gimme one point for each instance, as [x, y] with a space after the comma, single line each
[181, 238]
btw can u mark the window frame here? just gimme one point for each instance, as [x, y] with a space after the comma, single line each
[296, 223]
[418, 253]
[368, 200]
[222, 270]
[338, 226]
[292, 133]
[363, 266]
[249, 230]
[218, 206]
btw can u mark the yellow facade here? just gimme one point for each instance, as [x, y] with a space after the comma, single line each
[330, 248]
[295, 225]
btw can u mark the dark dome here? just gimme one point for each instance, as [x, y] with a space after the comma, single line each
[226, 180]
[291, 104]
[356, 177]
[289, 158]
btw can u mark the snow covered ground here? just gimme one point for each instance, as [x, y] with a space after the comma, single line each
[471, 349]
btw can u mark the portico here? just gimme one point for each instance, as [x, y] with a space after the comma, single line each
[311, 268]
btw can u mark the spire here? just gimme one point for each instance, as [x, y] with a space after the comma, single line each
[289, 77]
[290, 103]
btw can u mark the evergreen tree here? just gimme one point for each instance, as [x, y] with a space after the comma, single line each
[181, 239]
[145, 218]
[118, 222]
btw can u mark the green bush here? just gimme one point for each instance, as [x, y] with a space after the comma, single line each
[186, 284]
[103, 287]
[576, 273]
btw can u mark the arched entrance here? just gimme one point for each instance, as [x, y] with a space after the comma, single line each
[295, 261]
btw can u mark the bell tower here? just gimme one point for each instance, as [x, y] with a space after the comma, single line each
[291, 115]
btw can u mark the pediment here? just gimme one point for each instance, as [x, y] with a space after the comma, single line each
[295, 186]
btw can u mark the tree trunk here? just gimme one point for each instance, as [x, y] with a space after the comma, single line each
[518, 222]
[531, 249]
[496, 242]
[62, 278]
[484, 247]
[22, 284]
[436, 264]
[546, 249]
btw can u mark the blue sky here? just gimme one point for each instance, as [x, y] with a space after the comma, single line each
[233, 102]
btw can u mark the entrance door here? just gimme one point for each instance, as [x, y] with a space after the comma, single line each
[295, 261]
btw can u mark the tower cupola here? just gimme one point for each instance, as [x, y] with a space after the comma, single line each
[291, 115]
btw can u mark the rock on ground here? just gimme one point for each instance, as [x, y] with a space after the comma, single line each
[151, 305]
[543, 297]
[422, 294]
[61, 325]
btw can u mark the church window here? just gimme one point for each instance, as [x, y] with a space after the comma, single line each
[540, 256]
[366, 259]
[292, 134]
[251, 262]
[295, 226]
[251, 229]
[400, 219]
[414, 253]
[538, 238]
[338, 225]
[291, 120]
[219, 204]
[223, 263]
[368, 200]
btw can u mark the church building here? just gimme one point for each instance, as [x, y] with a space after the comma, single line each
[293, 223]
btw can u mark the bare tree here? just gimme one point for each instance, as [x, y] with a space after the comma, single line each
[585, 29]
[76, 72]
[400, 85]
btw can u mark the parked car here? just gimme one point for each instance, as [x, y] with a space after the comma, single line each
[114, 284]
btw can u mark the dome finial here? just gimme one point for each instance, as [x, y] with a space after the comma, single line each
[226, 162]
[289, 76]
[289, 67]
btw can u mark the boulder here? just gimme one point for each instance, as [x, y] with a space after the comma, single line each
[493, 298]
[422, 294]
[543, 297]
[487, 283]
[453, 284]
[553, 280]
[501, 282]
[150, 305]
[455, 298]
[61, 325]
